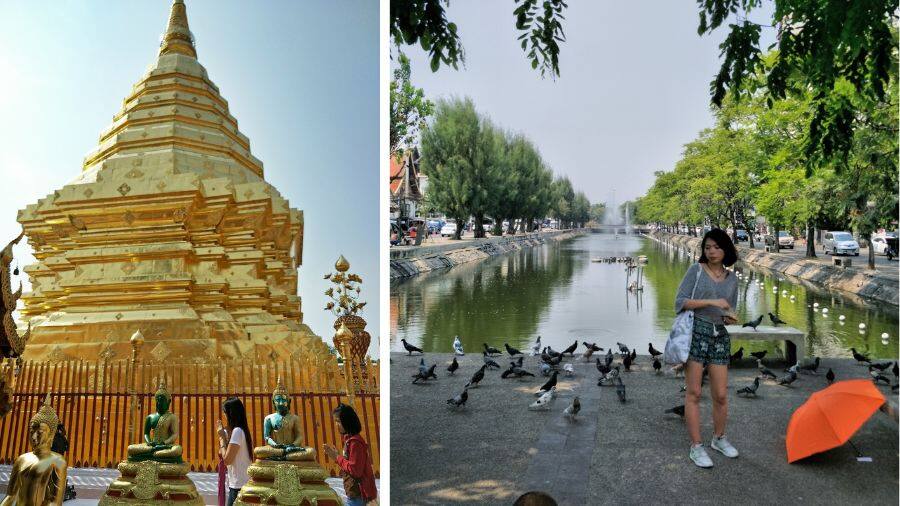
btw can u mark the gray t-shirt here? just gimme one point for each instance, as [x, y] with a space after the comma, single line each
[707, 288]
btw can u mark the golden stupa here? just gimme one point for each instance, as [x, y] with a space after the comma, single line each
[170, 229]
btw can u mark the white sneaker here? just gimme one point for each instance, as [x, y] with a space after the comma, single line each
[722, 445]
[700, 457]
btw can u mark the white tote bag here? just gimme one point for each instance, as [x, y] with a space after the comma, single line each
[678, 346]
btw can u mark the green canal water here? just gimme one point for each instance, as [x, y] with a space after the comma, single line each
[555, 291]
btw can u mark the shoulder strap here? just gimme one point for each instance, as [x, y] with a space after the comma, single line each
[697, 280]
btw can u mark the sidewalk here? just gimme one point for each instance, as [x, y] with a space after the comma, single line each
[91, 483]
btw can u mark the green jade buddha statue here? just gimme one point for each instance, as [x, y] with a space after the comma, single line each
[282, 432]
[160, 433]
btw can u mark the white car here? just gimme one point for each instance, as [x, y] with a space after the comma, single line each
[879, 242]
[837, 243]
[449, 229]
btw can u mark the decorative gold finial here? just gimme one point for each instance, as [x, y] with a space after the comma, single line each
[178, 37]
[46, 415]
[343, 333]
[162, 390]
[279, 389]
[137, 338]
[342, 264]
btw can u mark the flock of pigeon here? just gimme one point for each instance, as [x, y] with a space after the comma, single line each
[551, 363]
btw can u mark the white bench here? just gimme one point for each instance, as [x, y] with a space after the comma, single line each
[794, 339]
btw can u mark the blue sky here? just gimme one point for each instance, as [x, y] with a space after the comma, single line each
[301, 77]
[634, 86]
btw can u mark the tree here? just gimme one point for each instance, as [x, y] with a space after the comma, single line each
[597, 211]
[820, 42]
[425, 22]
[409, 108]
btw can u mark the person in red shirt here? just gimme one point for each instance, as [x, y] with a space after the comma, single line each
[354, 461]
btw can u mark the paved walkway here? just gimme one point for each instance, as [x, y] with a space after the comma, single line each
[495, 449]
[91, 483]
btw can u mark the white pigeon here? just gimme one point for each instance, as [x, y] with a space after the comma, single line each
[457, 346]
[536, 349]
[569, 369]
[543, 402]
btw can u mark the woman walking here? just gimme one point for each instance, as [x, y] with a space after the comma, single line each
[235, 446]
[355, 464]
[713, 304]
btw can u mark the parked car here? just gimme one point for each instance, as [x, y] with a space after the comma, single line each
[881, 241]
[837, 243]
[449, 229]
[742, 235]
[785, 240]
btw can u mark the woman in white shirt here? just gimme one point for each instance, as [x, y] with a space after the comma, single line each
[235, 446]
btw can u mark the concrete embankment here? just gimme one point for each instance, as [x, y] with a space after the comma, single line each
[856, 281]
[406, 262]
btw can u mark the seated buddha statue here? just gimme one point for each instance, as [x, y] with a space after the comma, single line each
[282, 432]
[160, 433]
[39, 476]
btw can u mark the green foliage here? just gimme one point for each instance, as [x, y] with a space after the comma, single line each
[425, 22]
[409, 108]
[821, 43]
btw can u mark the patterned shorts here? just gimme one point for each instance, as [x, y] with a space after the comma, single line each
[710, 343]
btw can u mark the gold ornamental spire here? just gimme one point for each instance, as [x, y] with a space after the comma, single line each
[178, 37]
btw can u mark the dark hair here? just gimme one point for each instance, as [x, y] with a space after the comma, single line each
[723, 242]
[237, 417]
[348, 419]
[535, 499]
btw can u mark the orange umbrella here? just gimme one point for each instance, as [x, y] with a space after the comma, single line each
[830, 417]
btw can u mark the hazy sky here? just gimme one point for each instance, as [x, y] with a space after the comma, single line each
[300, 77]
[633, 88]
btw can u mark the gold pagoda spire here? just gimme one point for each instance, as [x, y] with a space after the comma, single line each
[178, 37]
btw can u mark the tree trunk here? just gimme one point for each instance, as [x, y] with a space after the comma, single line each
[498, 227]
[777, 242]
[479, 226]
[871, 262]
[810, 239]
[459, 224]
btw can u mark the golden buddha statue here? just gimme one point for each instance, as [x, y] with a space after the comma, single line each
[160, 433]
[38, 477]
[282, 432]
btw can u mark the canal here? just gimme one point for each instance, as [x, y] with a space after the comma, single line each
[556, 292]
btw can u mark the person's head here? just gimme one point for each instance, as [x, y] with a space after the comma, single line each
[346, 420]
[535, 499]
[236, 417]
[716, 247]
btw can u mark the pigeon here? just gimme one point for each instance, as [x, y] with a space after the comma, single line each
[633, 356]
[410, 348]
[881, 366]
[751, 389]
[587, 353]
[429, 373]
[788, 379]
[457, 346]
[627, 362]
[813, 367]
[860, 358]
[609, 358]
[623, 350]
[488, 361]
[896, 370]
[877, 376]
[759, 355]
[553, 353]
[490, 350]
[609, 377]
[453, 366]
[737, 355]
[543, 402]
[603, 368]
[592, 346]
[776, 320]
[548, 385]
[753, 323]
[763, 371]
[678, 410]
[460, 400]
[536, 349]
[829, 376]
[657, 365]
[519, 361]
[895, 388]
[512, 351]
[620, 389]
[515, 371]
[573, 408]
[654, 352]
[422, 367]
[545, 369]
[571, 349]
[478, 376]
[552, 361]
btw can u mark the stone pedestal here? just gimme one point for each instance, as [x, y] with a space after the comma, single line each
[287, 483]
[152, 483]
